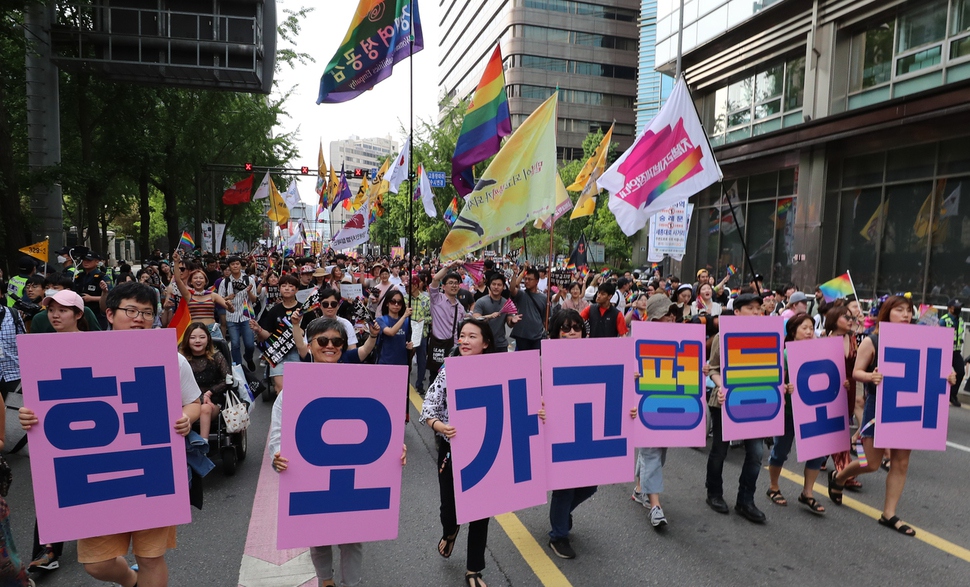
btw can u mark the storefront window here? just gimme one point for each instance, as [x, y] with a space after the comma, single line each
[859, 227]
[902, 259]
[949, 275]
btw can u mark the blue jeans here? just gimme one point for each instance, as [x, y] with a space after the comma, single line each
[421, 357]
[561, 507]
[240, 334]
[748, 480]
[782, 446]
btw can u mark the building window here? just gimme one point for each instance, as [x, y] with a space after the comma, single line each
[573, 96]
[583, 9]
[551, 35]
[570, 66]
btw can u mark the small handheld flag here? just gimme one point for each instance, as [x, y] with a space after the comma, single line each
[186, 241]
[37, 250]
[840, 287]
[732, 270]
[451, 212]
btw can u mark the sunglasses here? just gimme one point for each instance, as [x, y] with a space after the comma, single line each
[324, 341]
[572, 327]
[329, 304]
[394, 303]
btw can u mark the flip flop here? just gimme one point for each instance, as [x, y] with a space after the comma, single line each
[447, 543]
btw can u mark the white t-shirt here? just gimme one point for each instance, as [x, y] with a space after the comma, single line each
[349, 329]
[190, 389]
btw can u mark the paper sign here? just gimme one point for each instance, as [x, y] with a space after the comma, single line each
[499, 448]
[304, 294]
[344, 443]
[670, 384]
[105, 457]
[820, 406]
[752, 375]
[911, 402]
[351, 291]
[588, 390]
[417, 332]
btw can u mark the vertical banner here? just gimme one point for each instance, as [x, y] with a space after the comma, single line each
[752, 375]
[220, 232]
[668, 232]
[499, 448]
[105, 457]
[588, 391]
[670, 385]
[344, 442]
[912, 410]
[820, 408]
[207, 237]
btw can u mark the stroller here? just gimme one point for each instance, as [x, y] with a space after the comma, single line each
[230, 447]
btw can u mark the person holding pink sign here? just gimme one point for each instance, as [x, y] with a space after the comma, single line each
[474, 338]
[799, 327]
[898, 310]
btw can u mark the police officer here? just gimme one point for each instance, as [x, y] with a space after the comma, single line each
[66, 255]
[87, 284]
[954, 319]
[15, 287]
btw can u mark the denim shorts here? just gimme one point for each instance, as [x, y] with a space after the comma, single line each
[868, 413]
[291, 357]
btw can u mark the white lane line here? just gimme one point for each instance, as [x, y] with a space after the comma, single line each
[958, 446]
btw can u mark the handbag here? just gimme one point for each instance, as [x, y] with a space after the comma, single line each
[235, 414]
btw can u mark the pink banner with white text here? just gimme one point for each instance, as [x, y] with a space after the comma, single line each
[752, 376]
[820, 408]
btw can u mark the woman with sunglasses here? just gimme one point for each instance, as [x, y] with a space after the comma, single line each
[839, 321]
[474, 338]
[395, 323]
[327, 344]
[330, 305]
[276, 321]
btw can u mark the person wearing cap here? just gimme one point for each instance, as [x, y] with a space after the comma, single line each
[954, 319]
[797, 304]
[240, 290]
[748, 304]
[306, 276]
[88, 282]
[604, 319]
[757, 283]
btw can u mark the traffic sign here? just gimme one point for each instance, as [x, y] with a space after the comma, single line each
[437, 179]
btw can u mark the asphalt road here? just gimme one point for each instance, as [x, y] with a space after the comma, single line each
[615, 543]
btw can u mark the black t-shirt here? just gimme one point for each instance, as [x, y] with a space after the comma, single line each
[276, 320]
[466, 299]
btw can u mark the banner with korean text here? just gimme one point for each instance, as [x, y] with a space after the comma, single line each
[752, 376]
[912, 411]
[344, 443]
[820, 408]
[588, 391]
[105, 457]
[499, 446]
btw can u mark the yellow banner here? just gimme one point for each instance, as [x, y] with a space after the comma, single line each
[278, 212]
[37, 250]
[514, 190]
[586, 180]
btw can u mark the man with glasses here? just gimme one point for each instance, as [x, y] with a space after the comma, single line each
[131, 306]
[490, 308]
[531, 304]
[446, 313]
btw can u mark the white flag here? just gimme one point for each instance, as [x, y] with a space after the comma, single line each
[951, 205]
[263, 190]
[424, 192]
[355, 232]
[398, 171]
[669, 162]
[292, 196]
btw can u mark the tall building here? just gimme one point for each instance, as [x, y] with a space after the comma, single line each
[841, 127]
[357, 153]
[588, 49]
[653, 87]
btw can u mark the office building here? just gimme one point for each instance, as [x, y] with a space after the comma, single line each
[653, 87]
[357, 153]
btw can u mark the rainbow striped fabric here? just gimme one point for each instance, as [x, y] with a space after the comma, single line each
[451, 212]
[840, 287]
[486, 122]
[186, 241]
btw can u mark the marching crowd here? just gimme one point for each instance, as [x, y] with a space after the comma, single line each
[341, 309]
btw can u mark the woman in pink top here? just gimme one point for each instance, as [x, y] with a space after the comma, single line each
[572, 297]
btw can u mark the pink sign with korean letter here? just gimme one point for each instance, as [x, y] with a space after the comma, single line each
[912, 410]
[498, 450]
[670, 386]
[588, 390]
[344, 441]
[752, 376]
[105, 457]
[820, 408]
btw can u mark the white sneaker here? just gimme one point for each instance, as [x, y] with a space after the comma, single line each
[657, 518]
[640, 499]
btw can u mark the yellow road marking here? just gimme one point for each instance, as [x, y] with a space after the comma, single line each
[546, 571]
[931, 539]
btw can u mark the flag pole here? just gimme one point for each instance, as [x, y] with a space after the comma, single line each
[744, 247]
[410, 264]
[552, 228]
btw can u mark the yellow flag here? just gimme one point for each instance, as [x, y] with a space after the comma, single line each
[278, 212]
[380, 186]
[321, 173]
[37, 250]
[333, 185]
[871, 230]
[514, 190]
[922, 225]
[586, 180]
[361, 196]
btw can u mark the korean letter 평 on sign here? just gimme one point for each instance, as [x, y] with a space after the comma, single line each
[820, 405]
[105, 457]
[342, 429]
[752, 375]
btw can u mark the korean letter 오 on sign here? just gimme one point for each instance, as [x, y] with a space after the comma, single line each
[342, 429]
[912, 410]
[752, 375]
[820, 407]
[588, 391]
[498, 449]
[105, 457]
[669, 385]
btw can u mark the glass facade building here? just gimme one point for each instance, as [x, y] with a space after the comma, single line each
[653, 87]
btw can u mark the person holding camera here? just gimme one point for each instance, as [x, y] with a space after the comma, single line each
[240, 290]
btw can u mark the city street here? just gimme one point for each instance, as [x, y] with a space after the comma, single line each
[226, 546]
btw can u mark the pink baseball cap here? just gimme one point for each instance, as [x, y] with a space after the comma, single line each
[66, 298]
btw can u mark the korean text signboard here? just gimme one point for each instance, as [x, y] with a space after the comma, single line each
[588, 390]
[344, 442]
[105, 457]
[752, 375]
[820, 408]
[499, 446]
[911, 402]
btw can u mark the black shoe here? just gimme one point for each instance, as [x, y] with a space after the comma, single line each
[750, 512]
[251, 365]
[955, 402]
[562, 549]
[717, 504]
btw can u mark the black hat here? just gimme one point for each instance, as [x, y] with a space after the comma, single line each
[26, 264]
[954, 303]
[89, 255]
[63, 250]
[744, 300]
[759, 277]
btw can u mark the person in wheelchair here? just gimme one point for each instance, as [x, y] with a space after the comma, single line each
[211, 370]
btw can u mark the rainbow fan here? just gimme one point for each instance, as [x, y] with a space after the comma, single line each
[476, 270]
[509, 308]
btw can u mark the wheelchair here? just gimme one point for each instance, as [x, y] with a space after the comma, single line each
[229, 447]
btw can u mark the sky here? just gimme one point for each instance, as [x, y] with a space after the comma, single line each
[376, 113]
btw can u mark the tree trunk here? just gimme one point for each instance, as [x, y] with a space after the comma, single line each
[13, 221]
[144, 213]
[171, 216]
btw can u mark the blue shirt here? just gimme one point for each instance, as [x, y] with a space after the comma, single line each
[393, 349]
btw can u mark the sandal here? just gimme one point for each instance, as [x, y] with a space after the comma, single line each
[813, 505]
[891, 523]
[447, 544]
[885, 464]
[474, 580]
[852, 484]
[776, 497]
[835, 489]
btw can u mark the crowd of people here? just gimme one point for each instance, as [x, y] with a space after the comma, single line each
[269, 309]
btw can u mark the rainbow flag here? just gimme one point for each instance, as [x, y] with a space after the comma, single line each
[186, 241]
[451, 212]
[181, 319]
[378, 39]
[732, 270]
[486, 122]
[247, 310]
[839, 287]
[343, 191]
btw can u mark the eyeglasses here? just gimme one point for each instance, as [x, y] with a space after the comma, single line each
[329, 304]
[325, 341]
[571, 327]
[395, 303]
[135, 312]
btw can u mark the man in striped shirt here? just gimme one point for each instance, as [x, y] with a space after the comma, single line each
[239, 289]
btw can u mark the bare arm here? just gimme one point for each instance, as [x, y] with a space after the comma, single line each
[298, 337]
[863, 359]
[179, 282]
